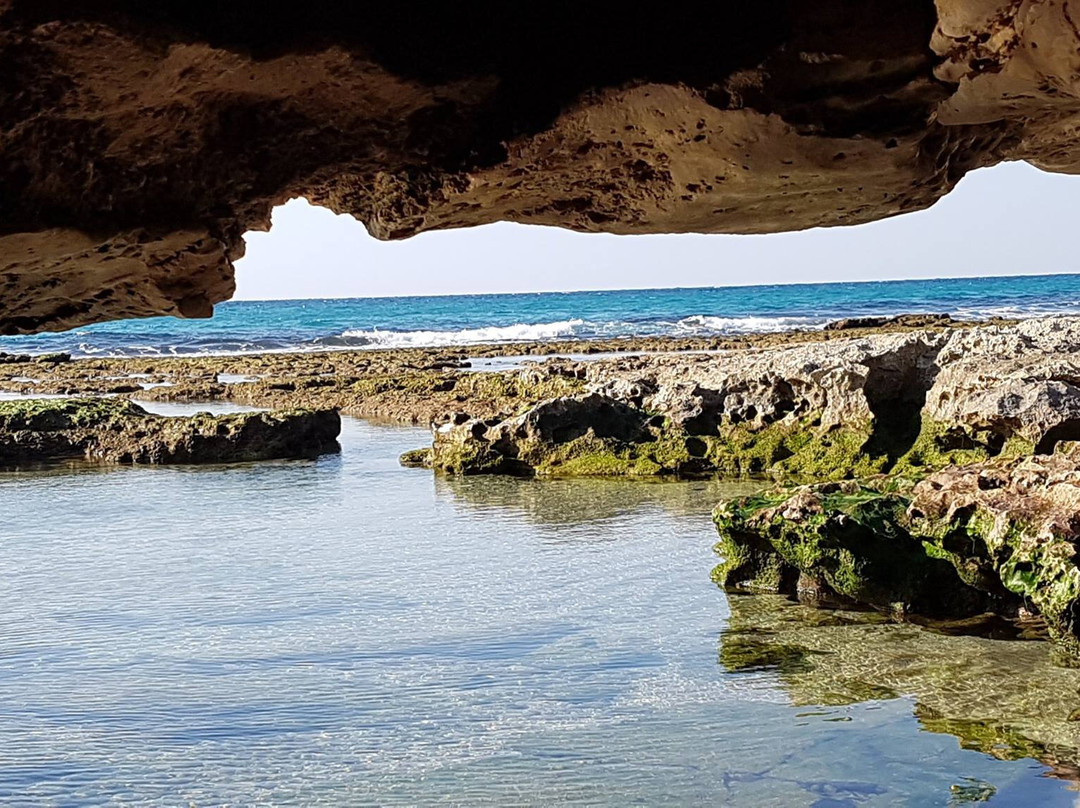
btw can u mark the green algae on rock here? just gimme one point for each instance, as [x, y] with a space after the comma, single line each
[840, 540]
[999, 537]
[118, 431]
[589, 435]
[574, 436]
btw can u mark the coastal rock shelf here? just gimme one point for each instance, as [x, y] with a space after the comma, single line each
[998, 537]
[116, 431]
[903, 403]
[139, 141]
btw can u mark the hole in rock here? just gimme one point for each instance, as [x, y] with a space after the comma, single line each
[1066, 431]
[895, 389]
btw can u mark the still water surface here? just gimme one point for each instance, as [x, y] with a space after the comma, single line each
[347, 631]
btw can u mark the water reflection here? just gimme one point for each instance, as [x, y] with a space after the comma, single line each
[563, 502]
[1005, 699]
[350, 632]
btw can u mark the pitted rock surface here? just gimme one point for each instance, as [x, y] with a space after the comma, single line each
[139, 141]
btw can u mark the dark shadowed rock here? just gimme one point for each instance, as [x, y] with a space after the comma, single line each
[117, 431]
[899, 321]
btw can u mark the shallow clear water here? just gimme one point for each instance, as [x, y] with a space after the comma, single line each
[292, 325]
[348, 632]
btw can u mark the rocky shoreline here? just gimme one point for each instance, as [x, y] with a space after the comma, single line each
[924, 468]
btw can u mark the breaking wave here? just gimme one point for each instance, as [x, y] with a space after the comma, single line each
[520, 332]
[707, 326]
[372, 323]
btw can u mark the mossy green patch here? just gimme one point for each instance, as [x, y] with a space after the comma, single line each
[469, 457]
[417, 458]
[589, 456]
[939, 445]
[854, 540]
[48, 415]
[796, 449]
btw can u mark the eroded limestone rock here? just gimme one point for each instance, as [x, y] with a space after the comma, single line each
[901, 403]
[999, 536]
[117, 431]
[139, 141]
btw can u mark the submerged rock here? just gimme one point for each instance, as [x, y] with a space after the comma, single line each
[997, 537]
[118, 431]
[1007, 699]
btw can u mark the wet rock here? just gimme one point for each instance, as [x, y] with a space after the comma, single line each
[1009, 700]
[41, 359]
[117, 431]
[899, 321]
[589, 435]
[843, 542]
[999, 536]
[849, 323]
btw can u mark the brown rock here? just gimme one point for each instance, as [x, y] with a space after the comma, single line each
[139, 141]
[117, 431]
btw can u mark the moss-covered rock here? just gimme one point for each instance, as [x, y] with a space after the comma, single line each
[999, 536]
[118, 431]
[846, 541]
[587, 435]
[571, 435]
[417, 458]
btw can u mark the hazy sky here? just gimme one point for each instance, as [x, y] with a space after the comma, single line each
[1012, 219]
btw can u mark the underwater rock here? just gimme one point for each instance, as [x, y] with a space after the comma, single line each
[1007, 698]
[998, 537]
[117, 431]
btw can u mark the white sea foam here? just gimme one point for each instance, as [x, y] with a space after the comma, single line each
[695, 325]
[703, 324]
[520, 332]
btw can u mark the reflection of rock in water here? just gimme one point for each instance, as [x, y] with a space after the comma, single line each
[1006, 699]
[581, 500]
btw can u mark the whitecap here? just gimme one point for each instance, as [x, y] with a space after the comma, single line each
[519, 332]
[706, 325]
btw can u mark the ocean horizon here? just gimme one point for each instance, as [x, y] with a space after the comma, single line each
[251, 326]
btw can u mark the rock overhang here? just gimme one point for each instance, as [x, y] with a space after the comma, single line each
[138, 142]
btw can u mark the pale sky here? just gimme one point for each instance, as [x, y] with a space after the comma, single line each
[1008, 220]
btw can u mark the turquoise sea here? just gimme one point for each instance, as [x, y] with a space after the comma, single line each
[296, 325]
